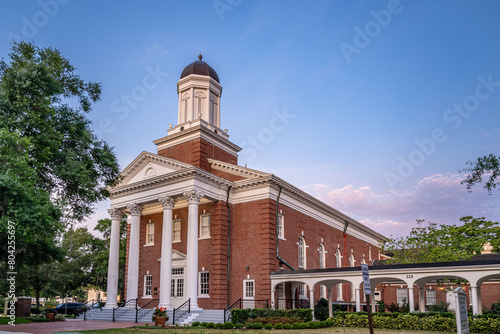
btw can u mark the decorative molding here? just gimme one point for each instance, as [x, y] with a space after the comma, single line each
[115, 213]
[135, 209]
[193, 196]
[236, 170]
[167, 202]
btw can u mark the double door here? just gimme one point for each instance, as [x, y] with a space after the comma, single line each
[177, 287]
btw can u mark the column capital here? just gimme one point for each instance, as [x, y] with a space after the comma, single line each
[135, 209]
[167, 202]
[193, 196]
[115, 213]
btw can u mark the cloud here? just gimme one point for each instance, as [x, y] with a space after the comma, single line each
[438, 197]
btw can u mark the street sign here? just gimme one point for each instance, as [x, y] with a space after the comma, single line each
[366, 279]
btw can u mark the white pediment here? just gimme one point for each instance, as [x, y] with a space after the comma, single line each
[147, 166]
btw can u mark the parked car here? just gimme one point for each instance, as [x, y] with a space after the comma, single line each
[70, 308]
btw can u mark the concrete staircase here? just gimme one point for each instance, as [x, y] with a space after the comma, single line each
[215, 316]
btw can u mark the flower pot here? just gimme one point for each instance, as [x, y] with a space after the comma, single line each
[160, 321]
[50, 316]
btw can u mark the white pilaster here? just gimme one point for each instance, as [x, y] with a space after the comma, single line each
[311, 301]
[411, 299]
[421, 299]
[479, 301]
[273, 299]
[193, 197]
[473, 297]
[166, 252]
[330, 300]
[114, 254]
[133, 252]
[358, 299]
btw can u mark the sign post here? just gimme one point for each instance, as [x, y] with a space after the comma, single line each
[368, 292]
[461, 311]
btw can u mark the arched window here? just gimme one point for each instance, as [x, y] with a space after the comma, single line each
[302, 253]
[338, 262]
[321, 256]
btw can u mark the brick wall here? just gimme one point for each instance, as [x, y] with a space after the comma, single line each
[196, 152]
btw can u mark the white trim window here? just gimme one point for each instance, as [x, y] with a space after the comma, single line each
[281, 226]
[148, 285]
[302, 291]
[338, 263]
[249, 288]
[402, 295]
[204, 283]
[430, 297]
[176, 230]
[302, 253]
[322, 257]
[205, 226]
[150, 234]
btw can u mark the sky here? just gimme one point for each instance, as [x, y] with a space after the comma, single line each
[374, 107]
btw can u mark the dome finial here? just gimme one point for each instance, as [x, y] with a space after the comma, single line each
[200, 57]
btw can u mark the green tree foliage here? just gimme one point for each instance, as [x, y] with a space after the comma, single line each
[442, 243]
[487, 166]
[52, 167]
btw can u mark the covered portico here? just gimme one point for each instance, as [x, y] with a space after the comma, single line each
[153, 184]
[476, 272]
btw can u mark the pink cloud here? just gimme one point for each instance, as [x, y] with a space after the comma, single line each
[439, 198]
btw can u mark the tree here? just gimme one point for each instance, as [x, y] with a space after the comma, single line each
[442, 243]
[488, 166]
[52, 167]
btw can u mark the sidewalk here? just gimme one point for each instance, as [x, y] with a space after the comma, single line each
[61, 326]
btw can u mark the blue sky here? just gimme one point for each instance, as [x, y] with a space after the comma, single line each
[384, 101]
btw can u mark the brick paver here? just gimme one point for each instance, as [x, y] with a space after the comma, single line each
[61, 326]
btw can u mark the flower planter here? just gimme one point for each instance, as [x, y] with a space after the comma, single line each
[50, 316]
[160, 321]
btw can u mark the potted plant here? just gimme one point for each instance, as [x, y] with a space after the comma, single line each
[160, 316]
[50, 313]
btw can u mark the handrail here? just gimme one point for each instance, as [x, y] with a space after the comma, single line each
[181, 309]
[227, 311]
[229, 308]
[142, 311]
[87, 304]
[129, 305]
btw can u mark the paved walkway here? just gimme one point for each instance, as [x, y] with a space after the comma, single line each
[61, 326]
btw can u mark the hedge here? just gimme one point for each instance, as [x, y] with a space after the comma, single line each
[242, 315]
[415, 321]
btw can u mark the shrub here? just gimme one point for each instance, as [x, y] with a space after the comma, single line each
[204, 324]
[279, 326]
[297, 325]
[219, 326]
[322, 324]
[321, 309]
[287, 326]
[242, 315]
[268, 326]
[239, 325]
[195, 324]
[210, 325]
[60, 317]
[228, 325]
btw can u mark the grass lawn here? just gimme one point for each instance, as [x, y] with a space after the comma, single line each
[338, 330]
[5, 321]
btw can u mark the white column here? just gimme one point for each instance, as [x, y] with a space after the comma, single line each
[330, 300]
[166, 253]
[311, 300]
[421, 299]
[272, 299]
[193, 198]
[114, 255]
[479, 301]
[358, 300]
[473, 297]
[372, 301]
[133, 252]
[411, 299]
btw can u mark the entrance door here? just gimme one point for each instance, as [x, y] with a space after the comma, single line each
[248, 293]
[281, 296]
[177, 288]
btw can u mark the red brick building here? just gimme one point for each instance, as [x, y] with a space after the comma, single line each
[203, 228]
